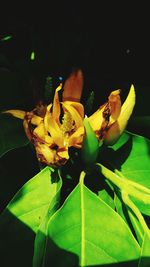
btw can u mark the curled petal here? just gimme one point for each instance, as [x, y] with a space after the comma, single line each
[20, 114]
[78, 106]
[45, 154]
[56, 104]
[53, 128]
[51, 156]
[96, 118]
[115, 105]
[117, 128]
[76, 138]
[63, 153]
[73, 87]
[74, 113]
[36, 120]
[41, 133]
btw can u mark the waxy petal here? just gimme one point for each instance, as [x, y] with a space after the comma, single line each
[41, 133]
[76, 138]
[20, 114]
[53, 128]
[73, 86]
[96, 119]
[78, 106]
[63, 154]
[36, 120]
[74, 113]
[56, 104]
[115, 105]
[117, 128]
[45, 154]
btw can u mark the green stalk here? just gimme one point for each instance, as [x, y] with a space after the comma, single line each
[136, 211]
[125, 184]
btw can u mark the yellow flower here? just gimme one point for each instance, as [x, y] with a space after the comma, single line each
[56, 127]
[111, 119]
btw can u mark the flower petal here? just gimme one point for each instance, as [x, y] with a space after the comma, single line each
[117, 128]
[115, 105]
[36, 120]
[96, 119]
[73, 87]
[74, 111]
[20, 114]
[53, 128]
[45, 154]
[40, 132]
[76, 138]
[78, 106]
[56, 104]
[63, 153]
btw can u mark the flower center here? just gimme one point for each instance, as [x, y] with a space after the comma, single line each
[67, 124]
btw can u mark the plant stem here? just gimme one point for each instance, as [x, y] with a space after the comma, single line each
[124, 184]
[136, 211]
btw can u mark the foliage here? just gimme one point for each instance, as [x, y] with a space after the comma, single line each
[74, 215]
[102, 221]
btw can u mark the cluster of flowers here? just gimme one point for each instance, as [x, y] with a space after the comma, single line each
[56, 127]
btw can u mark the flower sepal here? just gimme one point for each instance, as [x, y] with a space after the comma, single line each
[90, 145]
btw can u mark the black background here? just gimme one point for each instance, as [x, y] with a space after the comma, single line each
[108, 40]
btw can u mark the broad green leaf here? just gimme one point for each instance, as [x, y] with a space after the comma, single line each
[131, 156]
[145, 252]
[85, 231]
[12, 134]
[134, 158]
[129, 218]
[106, 197]
[40, 240]
[21, 219]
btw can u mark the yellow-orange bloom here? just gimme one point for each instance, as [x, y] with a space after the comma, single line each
[111, 119]
[56, 127]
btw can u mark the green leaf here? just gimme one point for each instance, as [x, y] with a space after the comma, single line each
[90, 146]
[21, 219]
[131, 156]
[136, 165]
[145, 252]
[107, 198]
[129, 218]
[85, 232]
[12, 134]
[41, 236]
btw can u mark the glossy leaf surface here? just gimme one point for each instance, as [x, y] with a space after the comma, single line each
[12, 134]
[21, 219]
[82, 232]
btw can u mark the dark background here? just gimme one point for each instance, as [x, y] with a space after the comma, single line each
[108, 40]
